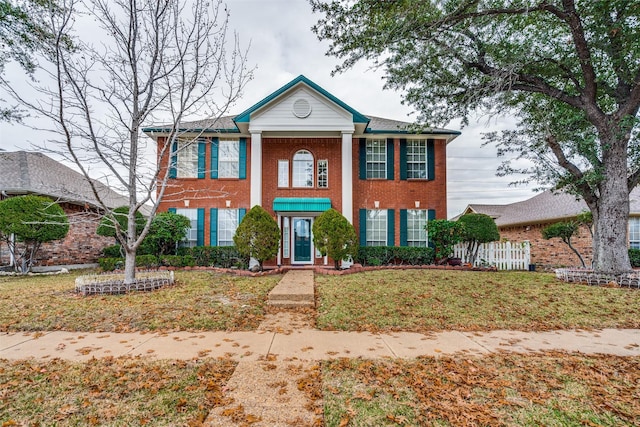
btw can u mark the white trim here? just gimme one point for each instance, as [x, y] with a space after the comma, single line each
[256, 170]
[279, 257]
[347, 176]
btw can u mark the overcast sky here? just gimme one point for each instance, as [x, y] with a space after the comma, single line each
[283, 47]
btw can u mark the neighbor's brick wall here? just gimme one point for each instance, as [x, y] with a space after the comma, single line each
[81, 245]
[551, 253]
[402, 194]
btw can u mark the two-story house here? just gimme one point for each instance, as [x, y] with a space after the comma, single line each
[298, 152]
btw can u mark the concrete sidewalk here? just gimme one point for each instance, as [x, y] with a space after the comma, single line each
[309, 344]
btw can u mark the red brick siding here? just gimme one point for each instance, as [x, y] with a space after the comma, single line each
[554, 252]
[81, 245]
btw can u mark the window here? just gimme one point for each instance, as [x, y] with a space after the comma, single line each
[283, 173]
[634, 233]
[228, 159]
[376, 158]
[191, 238]
[323, 173]
[227, 225]
[417, 159]
[376, 227]
[416, 232]
[285, 237]
[303, 169]
[187, 159]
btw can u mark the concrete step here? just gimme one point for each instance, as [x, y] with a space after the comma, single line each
[290, 303]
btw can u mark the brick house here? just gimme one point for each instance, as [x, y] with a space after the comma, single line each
[34, 173]
[296, 153]
[525, 220]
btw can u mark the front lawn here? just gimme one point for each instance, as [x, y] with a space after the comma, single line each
[111, 392]
[199, 301]
[553, 389]
[431, 300]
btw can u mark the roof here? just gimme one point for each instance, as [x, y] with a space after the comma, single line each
[545, 207]
[229, 124]
[34, 173]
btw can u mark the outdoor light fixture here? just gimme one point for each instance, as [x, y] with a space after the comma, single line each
[228, 203]
[186, 203]
[417, 203]
[376, 204]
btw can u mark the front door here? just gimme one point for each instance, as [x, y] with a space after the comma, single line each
[302, 240]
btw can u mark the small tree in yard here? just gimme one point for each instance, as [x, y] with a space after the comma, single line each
[334, 236]
[31, 221]
[565, 231]
[478, 229]
[444, 235]
[167, 229]
[258, 235]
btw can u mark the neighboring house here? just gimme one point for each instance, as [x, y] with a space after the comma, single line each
[24, 173]
[525, 220]
[298, 152]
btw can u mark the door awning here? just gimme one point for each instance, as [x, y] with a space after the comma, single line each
[301, 204]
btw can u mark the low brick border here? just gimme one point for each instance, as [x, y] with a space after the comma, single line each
[113, 283]
[588, 276]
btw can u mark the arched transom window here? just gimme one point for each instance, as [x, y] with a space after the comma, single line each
[303, 169]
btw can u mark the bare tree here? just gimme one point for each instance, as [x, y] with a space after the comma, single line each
[158, 61]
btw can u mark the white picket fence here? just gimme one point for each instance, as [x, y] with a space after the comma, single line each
[503, 255]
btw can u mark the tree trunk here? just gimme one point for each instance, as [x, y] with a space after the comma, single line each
[611, 213]
[130, 267]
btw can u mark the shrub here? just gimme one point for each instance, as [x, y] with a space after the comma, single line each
[166, 230]
[393, 255]
[113, 251]
[172, 260]
[146, 261]
[110, 264]
[107, 226]
[444, 235]
[634, 257]
[258, 235]
[334, 236]
[478, 229]
[564, 231]
[215, 256]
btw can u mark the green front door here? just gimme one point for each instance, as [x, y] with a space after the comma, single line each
[302, 240]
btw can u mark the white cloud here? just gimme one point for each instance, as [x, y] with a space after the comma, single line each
[283, 47]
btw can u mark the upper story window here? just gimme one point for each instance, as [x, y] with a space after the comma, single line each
[376, 158]
[228, 159]
[323, 174]
[417, 159]
[303, 169]
[283, 173]
[187, 159]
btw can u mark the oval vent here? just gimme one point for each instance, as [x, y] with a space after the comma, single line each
[301, 108]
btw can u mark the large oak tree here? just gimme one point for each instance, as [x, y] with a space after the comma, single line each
[569, 70]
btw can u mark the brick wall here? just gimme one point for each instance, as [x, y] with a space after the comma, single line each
[81, 245]
[551, 253]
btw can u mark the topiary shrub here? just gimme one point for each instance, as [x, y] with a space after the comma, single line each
[565, 231]
[166, 230]
[334, 236]
[258, 235]
[444, 235]
[477, 229]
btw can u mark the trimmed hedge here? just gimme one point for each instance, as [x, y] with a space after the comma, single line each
[216, 256]
[634, 257]
[205, 256]
[394, 255]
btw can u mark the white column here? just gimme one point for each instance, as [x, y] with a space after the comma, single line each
[347, 176]
[256, 170]
[279, 257]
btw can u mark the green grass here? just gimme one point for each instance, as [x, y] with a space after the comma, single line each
[431, 300]
[199, 301]
[553, 389]
[111, 392]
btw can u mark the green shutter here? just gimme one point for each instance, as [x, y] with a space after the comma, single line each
[390, 158]
[202, 161]
[200, 241]
[214, 158]
[403, 159]
[242, 167]
[403, 227]
[431, 215]
[391, 227]
[172, 210]
[241, 213]
[363, 227]
[173, 160]
[362, 153]
[431, 162]
[213, 227]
